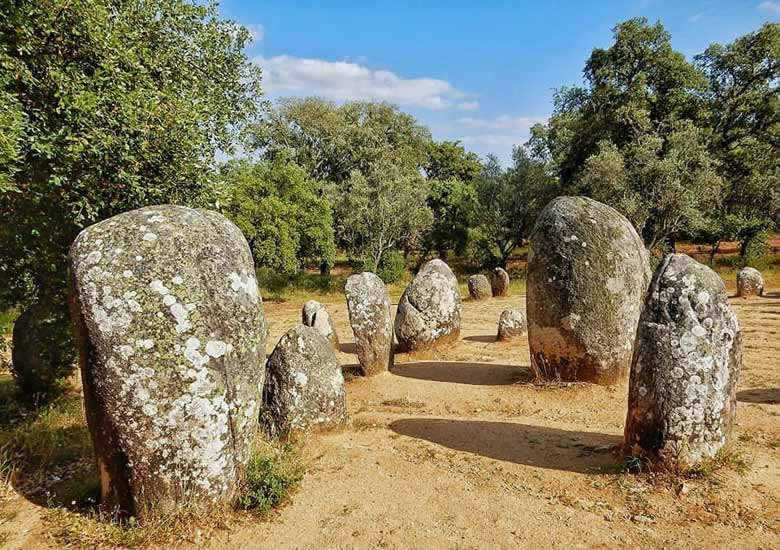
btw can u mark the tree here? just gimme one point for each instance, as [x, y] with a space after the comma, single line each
[381, 209]
[451, 172]
[114, 105]
[331, 141]
[277, 208]
[508, 203]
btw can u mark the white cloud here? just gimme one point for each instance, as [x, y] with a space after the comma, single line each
[770, 7]
[257, 32]
[503, 122]
[696, 18]
[467, 106]
[345, 80]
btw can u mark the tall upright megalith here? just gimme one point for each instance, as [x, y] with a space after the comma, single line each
[369, 314]
[171, 337]
[682, 393]
[429, 311]
[587, 275]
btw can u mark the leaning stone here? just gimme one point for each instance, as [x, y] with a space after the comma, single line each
[172, 343]
[369, 314]
[587, 275]
[479, 287]
[511, 324]
[499, 282]
[750, 283]
[314, 314]
[429, 311]
[42, 352]
[682, 393]
[304, 388]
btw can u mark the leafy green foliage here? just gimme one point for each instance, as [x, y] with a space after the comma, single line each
[272, 475]
[391, 270]
[277, 208]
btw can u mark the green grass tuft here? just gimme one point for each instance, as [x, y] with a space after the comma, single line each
[273, 475]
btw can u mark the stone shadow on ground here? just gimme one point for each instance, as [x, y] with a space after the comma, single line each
[538, 446]
[769, 396]
[484, 339]
[456, 372]
[348, 347]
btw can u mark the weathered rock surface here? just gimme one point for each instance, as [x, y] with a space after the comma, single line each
[42, 349]
[172, 345]
[682, 392]
[479, 287]
[369, 314]
[587, 275]
[314, 314]
[304, 387]
[750, 282]
[429, 310]
[499, 282]
[511, 324]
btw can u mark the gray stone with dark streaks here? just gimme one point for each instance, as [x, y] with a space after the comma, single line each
[682, 392]
[479, 287]
[369, 314]
[315, 314]
[749, 282]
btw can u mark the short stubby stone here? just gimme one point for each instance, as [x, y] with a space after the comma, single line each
[511, 324]
[304, 388]
[750, 282]
[588, 271]
[369, 314]
[316, 315]
[682, 392]
[499, 282]
[171, 336]
[479, 287]
[429, 311]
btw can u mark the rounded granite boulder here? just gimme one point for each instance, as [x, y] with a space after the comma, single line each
[499, 282]
[430, 308]
[369, 314]
[304, 389]
[171, 336]
[479, 287]
[682, 392]
[749, 282]
[511, 325]
[316, 315]
[587, 276]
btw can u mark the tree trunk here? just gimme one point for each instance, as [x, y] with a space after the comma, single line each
[714, 251]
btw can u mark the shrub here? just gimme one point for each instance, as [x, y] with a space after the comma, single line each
[392, 267]
[756, 251]
[272, 475]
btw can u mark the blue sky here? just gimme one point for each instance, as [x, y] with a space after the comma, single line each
[481, 72]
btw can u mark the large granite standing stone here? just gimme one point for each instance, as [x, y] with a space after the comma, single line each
[316, 315]
[750, 282]
[499, 282]
[172, 344]
[430, 308]
[511, 325]
[42, 352]
[682, 393]
[587, 275]
[304, 388]
[479, 287]
[369, 314]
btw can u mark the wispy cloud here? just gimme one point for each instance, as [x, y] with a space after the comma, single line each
[257, 32]
[696, 17]
[502, 122]
[347, 80]
[770, 7]
[468, 106]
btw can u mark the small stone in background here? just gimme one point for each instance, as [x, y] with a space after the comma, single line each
[511, 324]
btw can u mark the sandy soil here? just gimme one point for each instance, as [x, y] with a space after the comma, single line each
[460, 450]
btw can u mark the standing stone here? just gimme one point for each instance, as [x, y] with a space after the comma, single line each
[511, 324]
[369, 314]
[314, 314]
[42, 352]
[304, 388]
[682, 393]
[750, 283]
[429, 311]
[479, 287]
[587, 275]
[499, 282]
[171, 337]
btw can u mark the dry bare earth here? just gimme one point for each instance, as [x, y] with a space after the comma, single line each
[460, 450]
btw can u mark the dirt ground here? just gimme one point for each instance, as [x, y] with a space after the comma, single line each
[460, 450]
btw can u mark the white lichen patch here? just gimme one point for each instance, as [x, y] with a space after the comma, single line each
[216, 348]
[149, 236]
